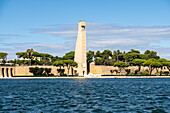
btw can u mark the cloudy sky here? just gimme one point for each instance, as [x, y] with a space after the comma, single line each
[50, 26]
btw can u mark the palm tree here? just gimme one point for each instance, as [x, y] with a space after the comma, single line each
[30, 53]
[116, 54]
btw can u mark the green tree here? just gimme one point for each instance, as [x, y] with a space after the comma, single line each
[21, 54]
[44, 56]
[3, 55]
[109, 62]
[156, 65]
[116, 55]
[138, 62]
[130, 56]
[13, 61]
[46, 61]
[59, 63]
[3, 61]
[69, 56]
[152, 64]
[69, 64]
[152, 54]
[134, 51]
[106, 54]
[147, 52]
[167, 64]
[99, 61]
[56, 58]
[33, 55]
[30, 54]
[98, 54]
[120, 65]
[25, 62]
[104, 58]
[143, 56]
[162, 60]
[89, 56]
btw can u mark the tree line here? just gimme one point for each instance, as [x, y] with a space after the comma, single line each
[106, 57]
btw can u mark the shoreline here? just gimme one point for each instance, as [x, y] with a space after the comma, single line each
[86, 77]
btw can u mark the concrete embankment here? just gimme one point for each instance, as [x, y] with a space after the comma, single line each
[131, 77]
[41, 77]
[85, 77]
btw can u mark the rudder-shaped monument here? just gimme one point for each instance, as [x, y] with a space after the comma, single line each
[80, 50]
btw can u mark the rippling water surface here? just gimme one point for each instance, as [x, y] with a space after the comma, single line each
[85, 95]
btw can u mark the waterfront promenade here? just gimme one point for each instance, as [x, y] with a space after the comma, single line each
[85, 77]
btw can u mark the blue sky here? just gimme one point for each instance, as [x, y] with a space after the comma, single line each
[50, 26]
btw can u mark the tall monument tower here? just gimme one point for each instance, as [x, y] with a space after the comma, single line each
[80, 50]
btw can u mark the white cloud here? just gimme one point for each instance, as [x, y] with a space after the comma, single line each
[117, 42]
[54, 49]
[7, 35]
[100, 37]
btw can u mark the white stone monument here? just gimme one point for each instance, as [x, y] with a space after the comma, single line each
[80, 50]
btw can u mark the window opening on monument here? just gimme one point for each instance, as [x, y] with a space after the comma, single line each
[83, 27]
[83, 72]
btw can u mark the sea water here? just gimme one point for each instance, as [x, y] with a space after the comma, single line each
[85, 95]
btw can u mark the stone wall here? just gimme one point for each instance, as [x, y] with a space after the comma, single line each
[9, 71]
[105, 70]
[24, 70]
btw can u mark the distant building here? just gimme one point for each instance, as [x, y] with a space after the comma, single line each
[34, 58]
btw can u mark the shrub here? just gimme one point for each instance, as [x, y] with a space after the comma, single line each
[131, 74]
[166, 72]
[3, 61]
[143, 73]
[146, 70]
[136, 71]
[47, 71]
[33, 70]
[61, 71]
[127, 71]
[40, 71]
